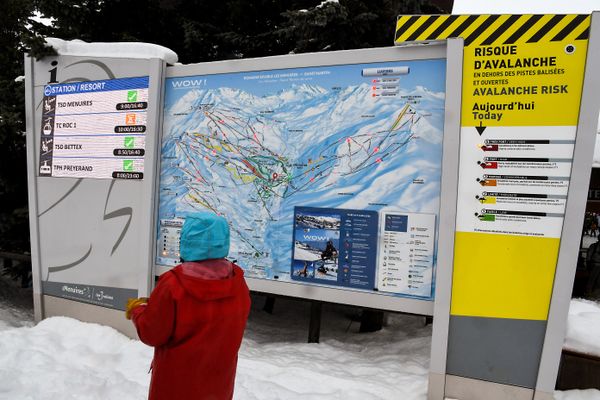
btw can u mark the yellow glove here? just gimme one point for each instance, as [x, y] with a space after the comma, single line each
[133, 303]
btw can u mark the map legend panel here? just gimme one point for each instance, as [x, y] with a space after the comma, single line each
[94, 129]
[406, 252]
[169, 235]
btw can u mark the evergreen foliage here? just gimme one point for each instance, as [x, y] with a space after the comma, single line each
[197, 30]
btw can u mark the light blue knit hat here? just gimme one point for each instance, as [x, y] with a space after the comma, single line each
[204, 236]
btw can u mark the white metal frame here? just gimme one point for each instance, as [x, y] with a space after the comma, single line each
[434, 50]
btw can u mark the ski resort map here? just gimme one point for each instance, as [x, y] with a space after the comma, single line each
[327, 175]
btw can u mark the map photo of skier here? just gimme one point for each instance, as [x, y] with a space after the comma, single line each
[317, 241]
[303, 269]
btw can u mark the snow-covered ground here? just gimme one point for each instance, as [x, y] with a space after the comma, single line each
[64, 358]
[583, 327]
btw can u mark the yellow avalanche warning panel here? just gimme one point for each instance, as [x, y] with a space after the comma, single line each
[519, 70]
[521, 92]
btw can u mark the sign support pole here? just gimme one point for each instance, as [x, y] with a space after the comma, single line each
[571, 234]
[36, 274]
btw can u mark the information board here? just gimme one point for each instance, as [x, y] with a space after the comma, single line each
[516, 238]
[94, 129]
[304, 163]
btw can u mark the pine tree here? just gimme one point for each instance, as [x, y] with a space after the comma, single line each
[18, 32]
[348, 24]
[197, 30]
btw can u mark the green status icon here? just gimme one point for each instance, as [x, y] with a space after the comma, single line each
[132, 95]
[127, 165]
[129, 142]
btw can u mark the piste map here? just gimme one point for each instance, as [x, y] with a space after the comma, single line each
[252, 146]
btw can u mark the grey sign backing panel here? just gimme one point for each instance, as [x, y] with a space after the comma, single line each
[318, 292]
[91, 238]
[498, 350]
[570, 238]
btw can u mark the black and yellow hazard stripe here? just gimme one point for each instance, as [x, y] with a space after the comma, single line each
[486, 30]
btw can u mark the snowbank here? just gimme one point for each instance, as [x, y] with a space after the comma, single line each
[117, 49]
[277, 363]
[64, 358]
[588, 394]
[583, 327]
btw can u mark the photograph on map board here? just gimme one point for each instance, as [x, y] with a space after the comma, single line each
[253, 146]
[317, 241]
[303, 269]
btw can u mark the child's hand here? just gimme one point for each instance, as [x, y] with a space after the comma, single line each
[133, 303]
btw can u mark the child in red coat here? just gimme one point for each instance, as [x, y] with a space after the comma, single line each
[195, 317]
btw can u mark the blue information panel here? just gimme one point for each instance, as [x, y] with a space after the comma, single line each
[94, 129]
[304, 163]
[335, 246]
[396, 223]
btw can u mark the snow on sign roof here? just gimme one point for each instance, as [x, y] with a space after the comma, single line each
[116, 49]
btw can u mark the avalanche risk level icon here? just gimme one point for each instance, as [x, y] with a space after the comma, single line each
[488, 164]
[486, 217]
[488, 147]
[487, 182]
[485, 199]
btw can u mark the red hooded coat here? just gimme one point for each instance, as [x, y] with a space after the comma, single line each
[195, 319]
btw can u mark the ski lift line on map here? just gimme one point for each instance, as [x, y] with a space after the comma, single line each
[220, 128]
[238, 232]
[378, 160]
[332, 159]
[251, 167]
[212, 208]
[402, 112]
[214, 154]
[241, 134]
[265, 207]
[226, 161]
[255, 172]
[312, 180]
[385, 152]
[199, 201]
[247, 241]
[264, 187]
[189, 159]
[192, 176]
[395, 124]
[223, 144]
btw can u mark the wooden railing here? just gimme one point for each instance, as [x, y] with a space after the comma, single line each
[578, 371]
